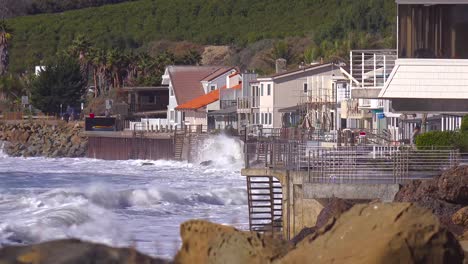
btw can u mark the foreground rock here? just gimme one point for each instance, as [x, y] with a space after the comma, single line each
[444, 195]
[205, 242]
[41, 139]
[379, 233]
[334, 208]
[73, 251]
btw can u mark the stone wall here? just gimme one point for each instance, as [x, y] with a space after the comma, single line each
[33, 139]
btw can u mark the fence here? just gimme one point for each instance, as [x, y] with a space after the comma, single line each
[365, 164]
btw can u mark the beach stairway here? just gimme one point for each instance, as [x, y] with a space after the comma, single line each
[179, 138]
[265, 200]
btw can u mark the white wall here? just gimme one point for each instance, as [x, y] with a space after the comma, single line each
[196, 118]
[176, 117]
[266, 106]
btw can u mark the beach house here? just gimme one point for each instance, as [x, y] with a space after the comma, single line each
[186, 83]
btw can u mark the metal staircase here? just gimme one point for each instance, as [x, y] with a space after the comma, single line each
[265, 204]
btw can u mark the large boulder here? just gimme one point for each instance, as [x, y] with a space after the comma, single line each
[379, 233]
[428, 194]
[453, 185]
[72, 251]
[461, 217]
[205, 242]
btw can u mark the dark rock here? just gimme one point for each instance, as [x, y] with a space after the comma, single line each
[147, 164]
[439, 194]
[73, 251]
[206, 163]
[453, 185]
[332, 210]
[305, 232]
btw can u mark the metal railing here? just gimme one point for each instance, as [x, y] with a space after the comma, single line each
[358, 164]
[371, 68]
[258, 132]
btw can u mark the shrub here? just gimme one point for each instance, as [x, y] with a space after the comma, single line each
[439, 139]
[464, 125]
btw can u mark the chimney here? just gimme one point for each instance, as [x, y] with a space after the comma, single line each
[280, 65]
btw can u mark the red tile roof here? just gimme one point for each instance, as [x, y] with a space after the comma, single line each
[186, 81]
[204, 100]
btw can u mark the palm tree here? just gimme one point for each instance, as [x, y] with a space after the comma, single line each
[5, 36]
[98, 60]
[80, 47]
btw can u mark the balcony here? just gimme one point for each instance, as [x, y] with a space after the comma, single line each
[368, 71]
[246, 104]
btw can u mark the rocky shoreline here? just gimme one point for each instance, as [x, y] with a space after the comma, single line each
[35, 139]
[366, 233]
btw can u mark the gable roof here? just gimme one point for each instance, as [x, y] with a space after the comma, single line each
[218, 73]
[297, 71]
[204, 100]
[186, 80]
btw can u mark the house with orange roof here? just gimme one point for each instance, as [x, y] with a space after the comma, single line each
[186, 83]
[198, 110]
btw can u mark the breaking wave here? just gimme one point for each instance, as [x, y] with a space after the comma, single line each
[222, 152]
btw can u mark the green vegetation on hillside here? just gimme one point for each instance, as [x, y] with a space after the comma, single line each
[13, 8]
[333, 26]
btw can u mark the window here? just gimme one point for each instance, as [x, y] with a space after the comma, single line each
[261, 89]
[271, 118]
[212, 87]
[172, 91]
[305, 87]
[263, 119]
[257, 117]
[269, 89]
[176, 117]
[172, 115]
[253, 119]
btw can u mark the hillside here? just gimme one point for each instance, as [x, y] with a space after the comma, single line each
[331, 26]
[13, 8]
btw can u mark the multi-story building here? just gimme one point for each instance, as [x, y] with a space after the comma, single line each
[431, 72]
[285, 98]
[422, 82]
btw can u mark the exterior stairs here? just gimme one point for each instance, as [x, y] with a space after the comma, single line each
[179, 138]
[265, 205]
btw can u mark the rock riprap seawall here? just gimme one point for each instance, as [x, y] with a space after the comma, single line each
[32, 139]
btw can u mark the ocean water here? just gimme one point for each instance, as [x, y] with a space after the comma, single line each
[121, 203]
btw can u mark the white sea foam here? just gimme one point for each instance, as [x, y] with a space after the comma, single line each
[223, 151]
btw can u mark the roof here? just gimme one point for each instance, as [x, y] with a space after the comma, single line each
[427, 79]
[186, 80]
[144, 88]
[217, 73]
[204, 100]
[292, 109]
[225, 111]
[297, 71]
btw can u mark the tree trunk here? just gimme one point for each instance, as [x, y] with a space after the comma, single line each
[4, 58]
[95, 83]
[424, 123]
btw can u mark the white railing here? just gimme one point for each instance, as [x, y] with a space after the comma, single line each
[147, 123]
[371, 68]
